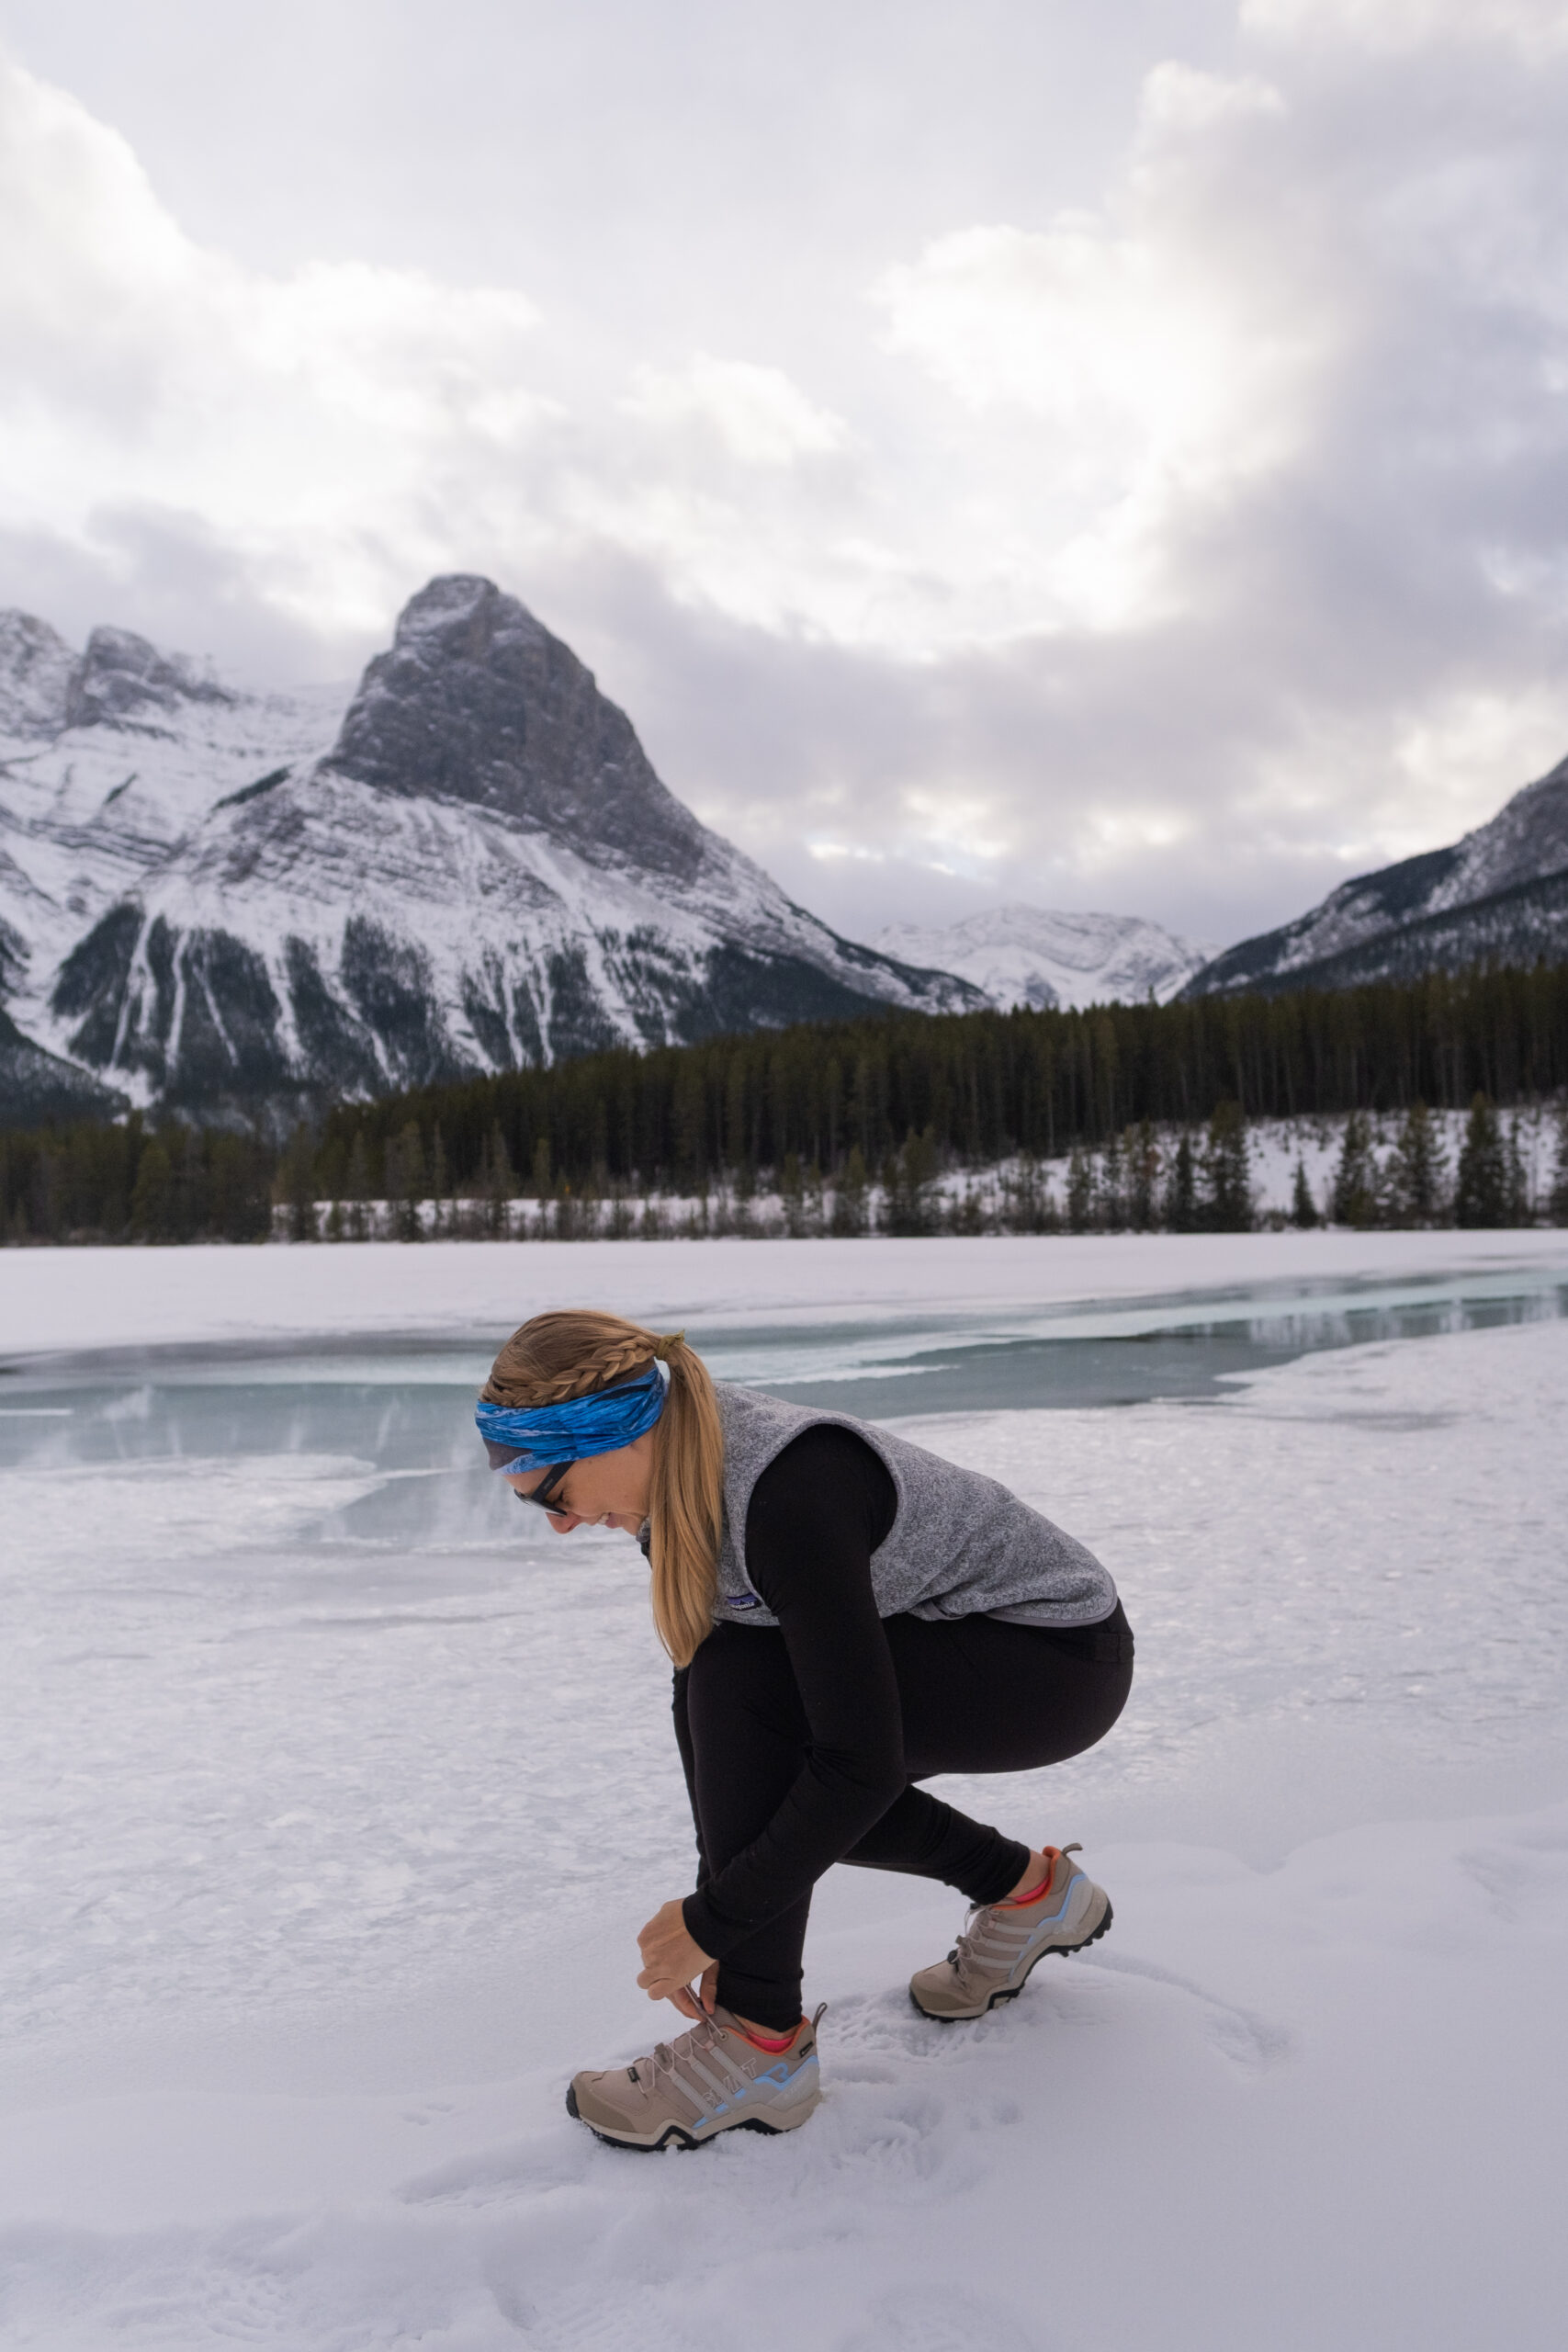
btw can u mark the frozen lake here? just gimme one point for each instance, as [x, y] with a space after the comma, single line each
[333, 1795]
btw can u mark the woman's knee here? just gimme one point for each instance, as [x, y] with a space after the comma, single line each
[740, 1684]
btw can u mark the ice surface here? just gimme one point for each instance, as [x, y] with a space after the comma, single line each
[70, 1299]
[334, 1799]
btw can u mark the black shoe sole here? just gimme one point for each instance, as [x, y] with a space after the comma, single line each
[671, 2137]
[1011, 1991]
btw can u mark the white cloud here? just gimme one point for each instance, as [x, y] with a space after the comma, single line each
[1147, 357]
[756, 414]
[301, 417]
[1391, 26]
[1164, 533]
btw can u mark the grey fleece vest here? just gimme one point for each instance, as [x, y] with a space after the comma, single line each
[960, 1544]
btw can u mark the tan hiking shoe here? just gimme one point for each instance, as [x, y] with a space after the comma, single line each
[713, 2078]
[1002, 1941]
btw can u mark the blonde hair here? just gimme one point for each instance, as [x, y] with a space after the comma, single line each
[571, 1351]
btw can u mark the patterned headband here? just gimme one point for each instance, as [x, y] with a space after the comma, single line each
[535, 1437]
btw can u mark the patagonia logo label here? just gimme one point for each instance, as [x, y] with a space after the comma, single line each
[741, 1601]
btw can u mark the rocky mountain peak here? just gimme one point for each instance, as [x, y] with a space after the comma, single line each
[476, 701]
[36, 665]
[122, 677]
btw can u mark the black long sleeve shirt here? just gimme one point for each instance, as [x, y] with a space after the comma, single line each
[817, 1514]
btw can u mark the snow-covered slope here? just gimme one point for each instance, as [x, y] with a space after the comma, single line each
[1500, 893]
[213, 897]
[1033, 955]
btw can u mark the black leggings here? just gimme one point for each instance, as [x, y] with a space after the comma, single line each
[976, 1695]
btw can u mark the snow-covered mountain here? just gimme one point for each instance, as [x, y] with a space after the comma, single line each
[209, 898]
[1501, 894]
[1032, 956]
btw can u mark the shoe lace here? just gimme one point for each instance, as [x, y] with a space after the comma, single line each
[966, 1950]
[984, 1915]
[665, 2056]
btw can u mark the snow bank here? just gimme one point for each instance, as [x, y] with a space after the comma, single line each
[61, 1299]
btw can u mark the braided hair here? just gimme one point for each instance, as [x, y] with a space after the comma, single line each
[570, 1353]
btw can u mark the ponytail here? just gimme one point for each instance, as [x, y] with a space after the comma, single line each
[567, 1354]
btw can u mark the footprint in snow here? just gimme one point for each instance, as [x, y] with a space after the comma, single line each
[1248, 2040]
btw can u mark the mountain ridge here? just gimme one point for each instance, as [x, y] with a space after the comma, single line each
[213, 900]
[1484, 895]
[1044, 958]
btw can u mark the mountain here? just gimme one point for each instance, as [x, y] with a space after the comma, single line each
[1030, 956]
[1499, 896]
[225, 901]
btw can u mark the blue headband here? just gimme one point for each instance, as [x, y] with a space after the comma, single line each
[534, 1437]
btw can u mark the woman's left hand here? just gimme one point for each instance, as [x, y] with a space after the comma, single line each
[670, 1958]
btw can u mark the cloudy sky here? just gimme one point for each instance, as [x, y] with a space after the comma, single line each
[1101, 456]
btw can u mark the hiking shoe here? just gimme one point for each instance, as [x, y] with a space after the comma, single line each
[1002, 1941]
[712, 2079]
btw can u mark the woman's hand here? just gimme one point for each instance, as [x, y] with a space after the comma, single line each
[671, 1960]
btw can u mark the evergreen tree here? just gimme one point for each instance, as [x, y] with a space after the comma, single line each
[849, 1196]
[1142, 1146]
[239, 1207]
[912, 1177]
[1354, 1200]
[1557, 1199]
[1112, 1200]
[1227, 1204]
[191, 1187]
[440, 1185]
[1517, 1206]
[1481, 1193]
[357, 1185]
[153, 1195]
[791, 1193]
[1303, 1208]
[1414, 1173]
[294, 1185]
[1181, 1189]
[405, 1184]
[501, 1183]
[1080, 1190]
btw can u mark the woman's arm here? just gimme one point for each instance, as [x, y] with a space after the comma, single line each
[817, 1514]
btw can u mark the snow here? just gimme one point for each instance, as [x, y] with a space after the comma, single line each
[86, 817]
[61, 1299]
[336, 1800]
[1041, 956]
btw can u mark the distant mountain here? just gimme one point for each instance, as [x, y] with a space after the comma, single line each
[1029, 955]
[1500, 895]
[222, 900]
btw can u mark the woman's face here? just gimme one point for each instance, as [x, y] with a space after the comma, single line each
[607, 1490]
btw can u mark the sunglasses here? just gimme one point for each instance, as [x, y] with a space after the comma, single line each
[546, 1494]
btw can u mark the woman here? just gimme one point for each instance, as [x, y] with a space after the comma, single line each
[848, 1614]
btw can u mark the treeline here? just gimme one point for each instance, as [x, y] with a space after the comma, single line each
[983, 1085]
[840, 1127]
[135, 1183]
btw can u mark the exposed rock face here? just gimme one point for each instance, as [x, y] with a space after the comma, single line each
[1034, 956]
[478, 702]
[1491, 895]
[218, 903]
[36, 669]
[122, 680]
